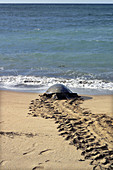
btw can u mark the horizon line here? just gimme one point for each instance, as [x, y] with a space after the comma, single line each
[57, 3]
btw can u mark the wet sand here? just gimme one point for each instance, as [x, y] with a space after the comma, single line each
[37, 138]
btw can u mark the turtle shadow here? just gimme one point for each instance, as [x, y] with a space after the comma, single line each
[86, 97]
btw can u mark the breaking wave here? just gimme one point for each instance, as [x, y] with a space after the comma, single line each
[40, 84]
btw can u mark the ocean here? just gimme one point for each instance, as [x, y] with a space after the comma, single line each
[44, 44]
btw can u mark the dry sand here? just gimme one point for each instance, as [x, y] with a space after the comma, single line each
[99, 104]
[31, 142]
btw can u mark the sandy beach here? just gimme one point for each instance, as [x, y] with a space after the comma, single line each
[60, 48]
[35, 136]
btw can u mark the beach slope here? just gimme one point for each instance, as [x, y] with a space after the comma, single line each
[32, 143]
[85, 121]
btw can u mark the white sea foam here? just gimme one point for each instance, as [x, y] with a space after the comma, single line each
[32, 83]
[1, 68]
[37, 29]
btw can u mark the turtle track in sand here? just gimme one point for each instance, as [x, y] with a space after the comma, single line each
[92, 133]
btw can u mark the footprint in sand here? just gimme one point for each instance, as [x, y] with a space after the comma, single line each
[31, 149]
[28, 152]
[38, 167]
[44, 151]
[3, 162]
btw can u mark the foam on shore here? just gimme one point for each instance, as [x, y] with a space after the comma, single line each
[40, 84]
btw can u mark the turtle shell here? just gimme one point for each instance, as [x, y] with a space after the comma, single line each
[58, 88]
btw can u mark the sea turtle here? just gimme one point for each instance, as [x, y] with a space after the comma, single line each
[59, 91]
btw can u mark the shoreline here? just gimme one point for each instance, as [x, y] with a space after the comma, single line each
[85, 92]
[41, 84]
[93, 103]
[33, 142]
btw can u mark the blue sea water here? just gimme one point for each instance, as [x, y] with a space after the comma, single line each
[56, 43]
